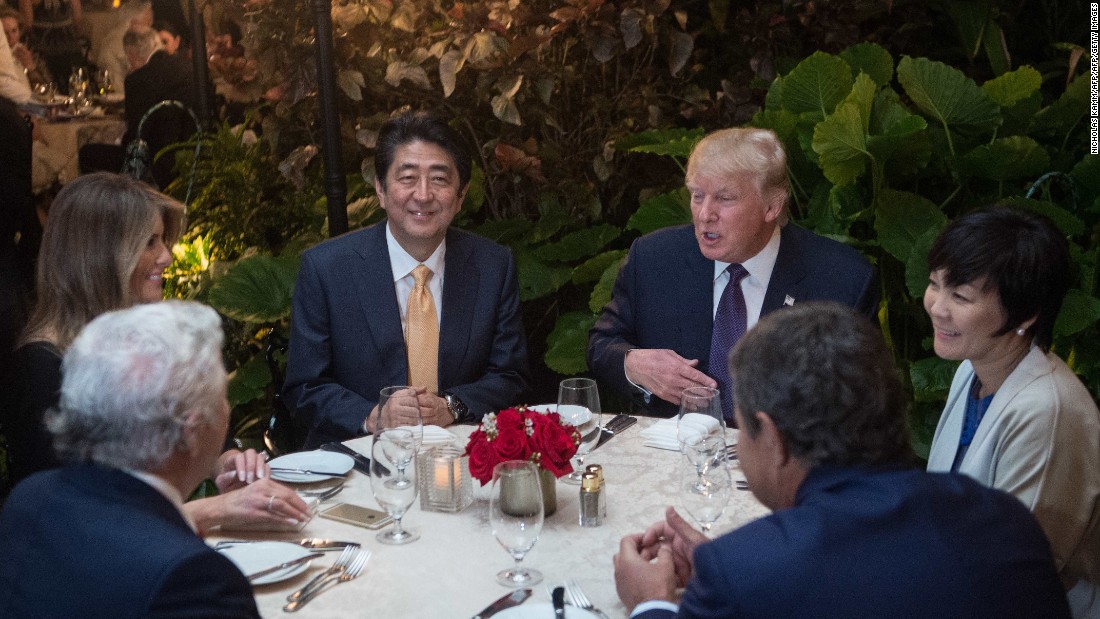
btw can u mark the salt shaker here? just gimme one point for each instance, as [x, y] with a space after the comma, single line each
[590, 501]
[598, 471]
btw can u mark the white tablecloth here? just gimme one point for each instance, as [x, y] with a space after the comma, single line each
[450, 571]
[56, 157]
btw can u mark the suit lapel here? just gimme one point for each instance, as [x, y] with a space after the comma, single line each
[696, 294]
[788, 273]
[461, 281]
[1033, 365]
[378, 301]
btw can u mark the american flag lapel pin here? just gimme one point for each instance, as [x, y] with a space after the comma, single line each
[788, 300]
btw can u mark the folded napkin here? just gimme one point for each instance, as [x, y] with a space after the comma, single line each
[435, 435]
[663, 434]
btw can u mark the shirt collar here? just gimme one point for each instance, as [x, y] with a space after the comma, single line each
[402, 263]
[759, 266]
[168, 490]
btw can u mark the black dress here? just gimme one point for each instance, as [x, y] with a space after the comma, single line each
[37, 386]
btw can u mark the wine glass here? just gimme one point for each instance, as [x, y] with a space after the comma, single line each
[579, 406]
[410, 419]
[78, 83]
[515, 514]
[103, 81]
[700, 428]
[392, 487]
[705, 491]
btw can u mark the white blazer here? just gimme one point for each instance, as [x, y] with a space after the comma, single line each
[1039, 441]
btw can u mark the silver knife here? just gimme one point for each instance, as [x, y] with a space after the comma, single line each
[283, 566]
[613, 427]
[320, 545]
[283, 469]
[514, 598]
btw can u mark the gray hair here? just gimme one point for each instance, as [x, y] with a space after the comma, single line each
[141, 42]
[131, 379]
[757, 153]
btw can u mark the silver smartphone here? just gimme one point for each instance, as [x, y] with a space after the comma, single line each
[358, 515]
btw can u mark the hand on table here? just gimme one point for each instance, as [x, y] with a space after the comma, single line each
[410, 407]
[664, 373]
[434, 411]
[263, 505]
[236, 469]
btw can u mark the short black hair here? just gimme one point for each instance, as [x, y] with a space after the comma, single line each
[824, 375]
[424, 127]
[1020, 254]
[166, 26]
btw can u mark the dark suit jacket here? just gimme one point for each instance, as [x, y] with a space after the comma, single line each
[663, 298]
[880, 543]
[346, 342]
[164, 77]
[90, 541]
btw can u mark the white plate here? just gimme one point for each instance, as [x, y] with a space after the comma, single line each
[252, 558]
[543, 408]
[542, 610]
[311, 461]
[581, 416]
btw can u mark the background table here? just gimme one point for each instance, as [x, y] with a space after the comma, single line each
[63, 139]
[451, 570]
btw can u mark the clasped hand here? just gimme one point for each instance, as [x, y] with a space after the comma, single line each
[412, 406]
[664, 373]
[655, 564]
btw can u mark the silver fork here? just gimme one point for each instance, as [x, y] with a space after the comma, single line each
[578, 598]
[341, 563]
[352, 570]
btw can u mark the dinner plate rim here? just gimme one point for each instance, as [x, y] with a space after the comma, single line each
[293, 551]
[332, 461]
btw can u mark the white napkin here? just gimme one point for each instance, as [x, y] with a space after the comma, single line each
[435, 435]
[662, 434]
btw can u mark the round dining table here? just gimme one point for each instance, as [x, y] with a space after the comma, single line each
[450, 571]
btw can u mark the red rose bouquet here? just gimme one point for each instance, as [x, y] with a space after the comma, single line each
[522, 434]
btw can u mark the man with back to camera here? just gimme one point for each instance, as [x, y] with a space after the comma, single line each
[140, 423]
[658, 334]
[409, 301]
[857, 530]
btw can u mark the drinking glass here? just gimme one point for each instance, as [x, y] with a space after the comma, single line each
[579, 406]
[103, 81]
[701, 439]
[705, 491]
[515, 514]
[392, 488]
[78, 83]
[391, 396]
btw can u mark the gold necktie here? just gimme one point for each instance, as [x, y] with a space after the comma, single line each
[422, 333]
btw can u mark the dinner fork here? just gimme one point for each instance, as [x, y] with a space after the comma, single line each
[341, 563]
[578, 598]
[731, 452]
[353, 570]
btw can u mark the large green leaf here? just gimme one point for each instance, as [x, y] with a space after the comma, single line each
[817, 84]
[256, 289]
[590, 270]
[1080, 311]
[946, 94]
[1006, 90]
[871, 59]
[901, 218]
[1067, 222]
[538, 279]
[894, 129]
[505, 231]
[669, 142]
[601, 292]
[567, 344]
[1008, 158]
[916, 265]
[249, 381]
[970, 19]
[579, 244]
[1064, 114]
[661, 211]
[841, 139]
[931, 378]
[1086, 173]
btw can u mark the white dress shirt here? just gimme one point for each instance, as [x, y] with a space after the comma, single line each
[13, 81]
[755, 285]
[403, 264]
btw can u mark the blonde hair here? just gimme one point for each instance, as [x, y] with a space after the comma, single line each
[98, 226]
[747, 151]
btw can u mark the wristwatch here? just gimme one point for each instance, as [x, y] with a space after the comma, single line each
[457, 407]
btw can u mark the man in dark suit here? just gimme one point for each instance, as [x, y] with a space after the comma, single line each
[362, 320]
[140, 422]
[856, 530]
[654, 338]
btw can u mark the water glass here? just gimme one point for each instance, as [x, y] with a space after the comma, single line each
[705, 491]
[579, 406]
[516, 515]
[393, 488]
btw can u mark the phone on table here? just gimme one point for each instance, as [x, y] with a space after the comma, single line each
[358, 515]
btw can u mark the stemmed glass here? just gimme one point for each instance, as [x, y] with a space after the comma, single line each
[515, 514]
[579, 406]
[705, 491]
[103, 81]
[390, 396]
[78, 83]
[701, 439]
[394, 489]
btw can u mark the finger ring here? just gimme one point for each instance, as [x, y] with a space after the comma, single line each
[270, 502]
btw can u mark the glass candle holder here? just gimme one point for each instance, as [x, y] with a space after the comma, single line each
[444, 476]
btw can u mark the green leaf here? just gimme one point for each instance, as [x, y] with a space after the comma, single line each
[1067, 222]
[1086, 173]
[505, 231]
[579, 244]
[871, 59]
[352, 83]
[1062, 115]
[1009, 88]
[970, 18]
[946, 94]
[538, 279]
[996, 50]
[249, 381]
[840, 139]
[567, 344]
[256, 289]
[592, 269]
[601, 292]
[901, 218]
[1008, 158]
[669, 142]
[1080, 311]
[916, 265]
[818, 84]
[661, 211]
[931, 378]
[773, 101]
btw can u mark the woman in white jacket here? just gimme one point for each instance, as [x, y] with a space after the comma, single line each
[1017, 418]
